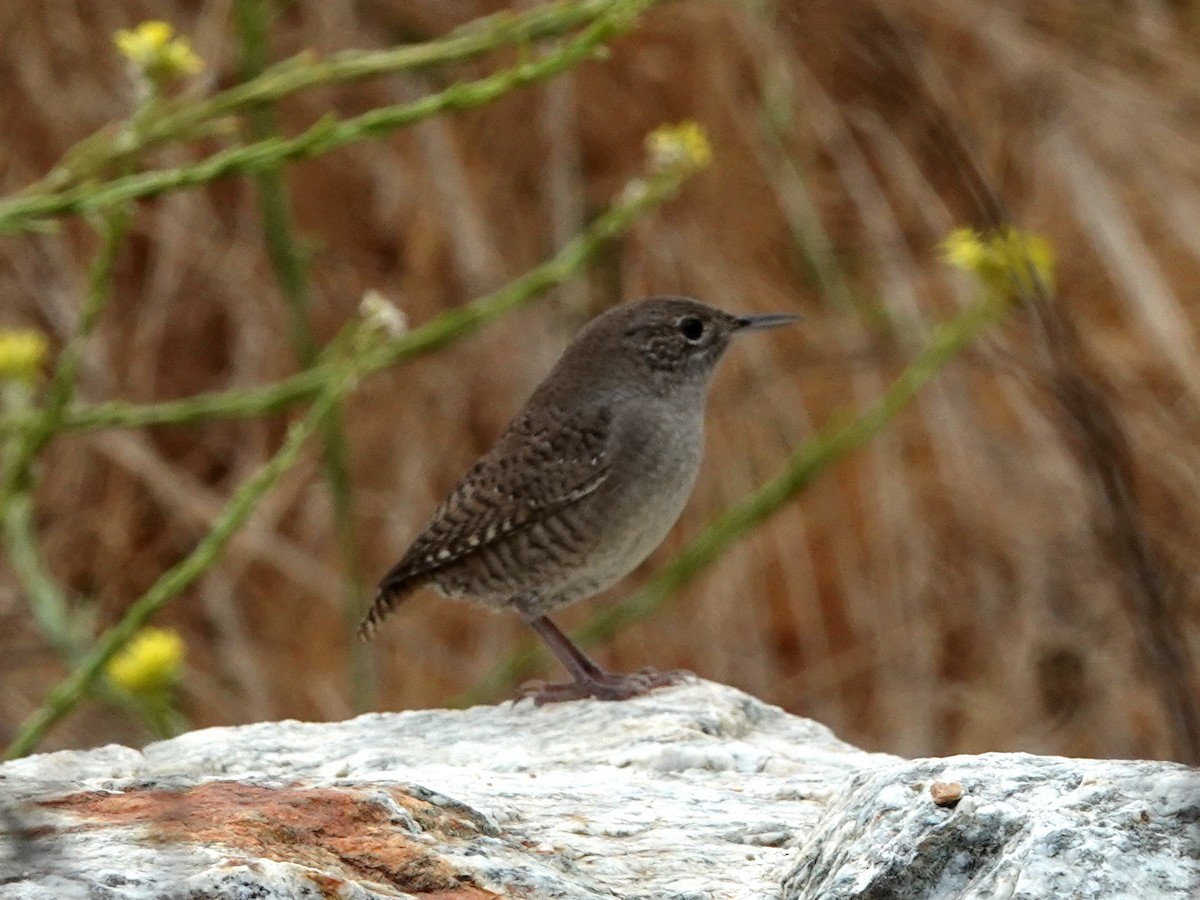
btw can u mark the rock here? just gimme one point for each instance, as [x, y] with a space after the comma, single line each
[696, 791]
[1024, 827]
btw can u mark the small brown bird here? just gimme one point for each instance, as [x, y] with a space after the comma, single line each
[584, 484]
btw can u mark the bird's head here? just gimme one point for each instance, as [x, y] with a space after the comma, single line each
[660, 345]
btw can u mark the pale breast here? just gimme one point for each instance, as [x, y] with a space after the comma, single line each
[630, 516]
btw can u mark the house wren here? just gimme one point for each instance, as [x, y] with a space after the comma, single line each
[585, 483]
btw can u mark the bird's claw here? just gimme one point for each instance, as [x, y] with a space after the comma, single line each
[607, 686]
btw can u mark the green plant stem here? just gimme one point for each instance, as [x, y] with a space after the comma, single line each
[253, 25]
[288, 261]
[70, 692]
[188, 117]
[26, 212]
[46, 598]
[810, 460]
[47, 420]
[67, 633]
[634, 202]
[241, 403]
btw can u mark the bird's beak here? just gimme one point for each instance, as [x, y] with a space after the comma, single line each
[769, 320]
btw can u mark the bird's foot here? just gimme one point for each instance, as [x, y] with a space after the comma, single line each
[605, 686]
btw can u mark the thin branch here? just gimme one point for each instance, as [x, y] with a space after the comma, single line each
[66, 632]
[47, 420]
[188, 117]
[27, 211]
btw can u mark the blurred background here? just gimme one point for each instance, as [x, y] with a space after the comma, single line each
[959, 585]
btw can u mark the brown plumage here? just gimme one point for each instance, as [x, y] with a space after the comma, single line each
[584, 483]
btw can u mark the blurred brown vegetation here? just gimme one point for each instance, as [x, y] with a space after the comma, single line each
[956, 586]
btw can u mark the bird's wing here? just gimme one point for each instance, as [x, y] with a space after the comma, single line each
[535, 469]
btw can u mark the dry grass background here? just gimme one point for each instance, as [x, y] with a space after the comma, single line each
[953, 587]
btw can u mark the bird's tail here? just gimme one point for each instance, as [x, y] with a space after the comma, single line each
[391, 593]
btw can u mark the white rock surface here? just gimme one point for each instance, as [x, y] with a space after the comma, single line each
[696, 791]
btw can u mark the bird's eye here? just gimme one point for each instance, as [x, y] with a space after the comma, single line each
[691, 328]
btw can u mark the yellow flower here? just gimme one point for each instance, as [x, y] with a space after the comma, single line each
[149, 664]
[156, 53]
[21, 354]
[684, 145]
[145, 42]
[963, 249]
[1003, 259]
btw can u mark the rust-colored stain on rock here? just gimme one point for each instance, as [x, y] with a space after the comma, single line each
[331, 829]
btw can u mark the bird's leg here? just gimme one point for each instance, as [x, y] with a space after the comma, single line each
[589, 679]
